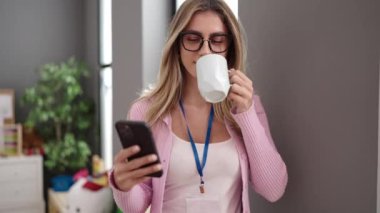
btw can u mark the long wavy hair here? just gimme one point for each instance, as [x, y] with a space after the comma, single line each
[166, 93]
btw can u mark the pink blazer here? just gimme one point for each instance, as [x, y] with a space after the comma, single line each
[261, 164]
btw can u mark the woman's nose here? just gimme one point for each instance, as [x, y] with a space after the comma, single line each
[205, 49]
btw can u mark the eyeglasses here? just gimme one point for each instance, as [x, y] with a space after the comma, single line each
[193, 42]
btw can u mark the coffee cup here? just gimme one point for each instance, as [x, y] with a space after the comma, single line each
[212, 77]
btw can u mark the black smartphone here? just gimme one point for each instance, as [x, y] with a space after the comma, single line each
[138, 133]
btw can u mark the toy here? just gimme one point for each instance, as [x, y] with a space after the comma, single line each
[82, 199]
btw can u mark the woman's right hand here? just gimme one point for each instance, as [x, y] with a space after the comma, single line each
[127, 174]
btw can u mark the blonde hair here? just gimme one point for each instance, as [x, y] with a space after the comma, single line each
[165, 95]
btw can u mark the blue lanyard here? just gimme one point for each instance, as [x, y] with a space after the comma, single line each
[207, 142]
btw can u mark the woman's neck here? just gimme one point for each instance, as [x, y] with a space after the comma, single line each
[191, 95]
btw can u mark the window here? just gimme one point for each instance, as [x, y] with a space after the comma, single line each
[106, 94]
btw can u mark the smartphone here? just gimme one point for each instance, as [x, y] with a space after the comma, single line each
[138, 133]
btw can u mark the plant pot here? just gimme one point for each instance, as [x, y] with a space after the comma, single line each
[62, 183]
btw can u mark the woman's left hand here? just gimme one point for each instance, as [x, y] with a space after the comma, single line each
[241, 91]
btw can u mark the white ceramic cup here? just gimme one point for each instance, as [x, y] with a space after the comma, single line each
[212, 77]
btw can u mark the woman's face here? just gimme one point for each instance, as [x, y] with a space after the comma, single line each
[209, 26]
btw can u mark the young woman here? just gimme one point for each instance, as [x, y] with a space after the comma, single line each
[210, 153]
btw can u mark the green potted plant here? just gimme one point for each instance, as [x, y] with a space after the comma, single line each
[62, 115]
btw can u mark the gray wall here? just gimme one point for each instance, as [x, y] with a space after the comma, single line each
[139, 30]
[127, 58]
[36, 32]
[91, 57]
[315, 64]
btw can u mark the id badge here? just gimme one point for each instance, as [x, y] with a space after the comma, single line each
[202, 204]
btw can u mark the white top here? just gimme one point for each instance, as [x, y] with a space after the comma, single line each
[222, 177]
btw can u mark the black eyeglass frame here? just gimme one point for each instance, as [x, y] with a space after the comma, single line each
[182, 34]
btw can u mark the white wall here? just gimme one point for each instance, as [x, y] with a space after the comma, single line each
[155, 20]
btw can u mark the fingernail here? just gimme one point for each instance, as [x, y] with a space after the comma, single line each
[158, 167]
[153, 157]
[136, 148]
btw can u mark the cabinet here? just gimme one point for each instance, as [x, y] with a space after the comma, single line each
[21, 184]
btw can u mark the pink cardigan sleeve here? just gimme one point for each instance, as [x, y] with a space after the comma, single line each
[138, 199]
[268, 173]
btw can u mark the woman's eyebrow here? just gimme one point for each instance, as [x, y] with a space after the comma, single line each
[193, 32]
[218, 34]
[200, 34]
